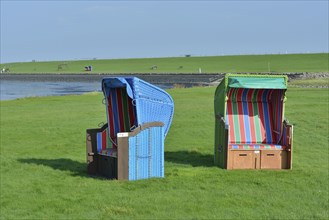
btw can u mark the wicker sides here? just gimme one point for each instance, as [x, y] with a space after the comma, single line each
[140, 154]
[130, 146]
[250, 131]
[151, 103]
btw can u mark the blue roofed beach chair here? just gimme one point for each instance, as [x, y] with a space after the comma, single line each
[131, 144]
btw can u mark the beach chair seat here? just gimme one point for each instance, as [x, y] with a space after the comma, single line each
[108, 152]
[256, 147]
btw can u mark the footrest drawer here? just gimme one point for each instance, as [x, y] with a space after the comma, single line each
[272, 159]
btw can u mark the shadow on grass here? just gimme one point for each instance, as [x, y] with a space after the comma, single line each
[79, 169]
[192, 158]
[63, 164]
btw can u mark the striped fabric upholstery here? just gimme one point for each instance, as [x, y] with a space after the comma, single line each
[254, 117]
[121, 115]
[256, 147]
[104, 145]
[109, 152]
[277, 103]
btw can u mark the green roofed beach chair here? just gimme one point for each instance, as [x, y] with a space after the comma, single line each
[250, 129]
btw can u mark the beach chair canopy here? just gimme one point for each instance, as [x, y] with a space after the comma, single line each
[257, 82]
[133, 102]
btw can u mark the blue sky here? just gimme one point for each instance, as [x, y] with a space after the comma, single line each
[70, 30]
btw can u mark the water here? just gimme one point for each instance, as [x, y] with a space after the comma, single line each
[14, 89]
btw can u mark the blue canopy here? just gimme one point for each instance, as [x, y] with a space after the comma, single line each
[151, 102]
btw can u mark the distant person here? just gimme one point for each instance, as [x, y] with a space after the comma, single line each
[90, 68]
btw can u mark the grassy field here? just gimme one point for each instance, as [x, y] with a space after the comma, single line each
[211, 64]
[43, 168]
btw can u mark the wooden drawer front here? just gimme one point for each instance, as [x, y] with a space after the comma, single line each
[273, 159]
[245, 160]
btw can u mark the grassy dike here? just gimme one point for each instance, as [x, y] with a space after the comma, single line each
[208, 64]
[43, 168]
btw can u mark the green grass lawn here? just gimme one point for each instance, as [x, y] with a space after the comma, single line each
[208, 64]
[43, 165]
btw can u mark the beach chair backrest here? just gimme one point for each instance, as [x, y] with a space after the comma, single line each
[121, 114]
[254, 115]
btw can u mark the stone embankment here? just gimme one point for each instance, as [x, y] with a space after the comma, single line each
[160, 78]
[157, 78]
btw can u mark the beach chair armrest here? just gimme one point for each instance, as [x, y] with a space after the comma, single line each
[144, 143]
[287, 137]
[91, 147]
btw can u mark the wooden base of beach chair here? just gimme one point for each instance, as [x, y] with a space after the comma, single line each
[107, 167]
[258, 159]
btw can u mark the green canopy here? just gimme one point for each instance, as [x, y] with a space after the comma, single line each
[257, 82]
